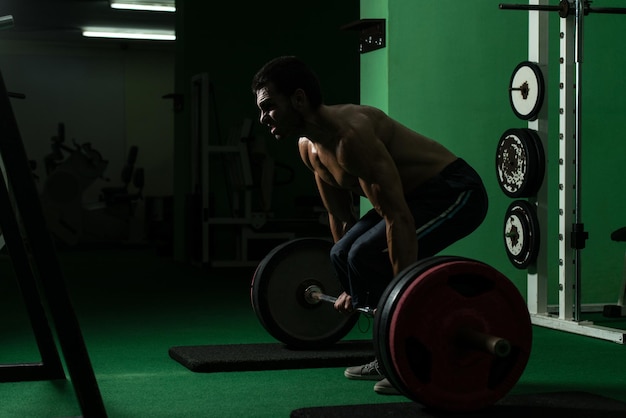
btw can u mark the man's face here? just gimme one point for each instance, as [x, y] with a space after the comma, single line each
[277, 112]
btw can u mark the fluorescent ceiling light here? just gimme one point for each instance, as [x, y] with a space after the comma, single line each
[6, 22]
[130, 34]
[153, 6]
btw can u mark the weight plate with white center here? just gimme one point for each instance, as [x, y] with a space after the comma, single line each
[521, 233]
[526, 90]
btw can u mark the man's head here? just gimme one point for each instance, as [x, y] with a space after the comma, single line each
[286, 91]
[288, 74]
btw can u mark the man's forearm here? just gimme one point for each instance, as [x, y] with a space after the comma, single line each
[402, 245]
[338, 228]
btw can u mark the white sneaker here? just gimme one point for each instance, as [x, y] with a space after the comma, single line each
[369, 371]
[384, 387]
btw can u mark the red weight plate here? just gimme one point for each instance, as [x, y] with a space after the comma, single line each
[429, 367]
[277, 295]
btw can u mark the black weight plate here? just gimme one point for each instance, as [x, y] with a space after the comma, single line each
[526, 90]
[277, 295]
[539, 160]
[520, 162]
[419, 324]
[521, 233]
[386, 306]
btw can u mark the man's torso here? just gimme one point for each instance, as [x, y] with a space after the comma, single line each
[416, 157]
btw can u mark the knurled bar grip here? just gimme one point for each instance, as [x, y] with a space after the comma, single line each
[315, 293]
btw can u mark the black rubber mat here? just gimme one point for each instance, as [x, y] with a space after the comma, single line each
[270, 356]
[550, 404]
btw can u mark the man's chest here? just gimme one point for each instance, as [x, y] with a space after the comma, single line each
[326, 166]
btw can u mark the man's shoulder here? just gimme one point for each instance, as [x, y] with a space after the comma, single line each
[351, 109]
[304, 146]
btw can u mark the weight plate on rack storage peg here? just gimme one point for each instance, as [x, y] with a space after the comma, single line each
[521, 233]
[520, 162]
[526, 90]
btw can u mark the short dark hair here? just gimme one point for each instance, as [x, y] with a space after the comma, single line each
[287, 74]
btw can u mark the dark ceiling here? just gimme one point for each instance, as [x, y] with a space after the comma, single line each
[60, 20]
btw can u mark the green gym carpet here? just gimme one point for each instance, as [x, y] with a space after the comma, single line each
[133, 306]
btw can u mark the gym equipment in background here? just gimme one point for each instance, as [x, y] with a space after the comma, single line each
[70, 171]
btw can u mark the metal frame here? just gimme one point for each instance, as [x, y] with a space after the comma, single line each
[199, 150]
[234, 151]
[567, 316]
[538, 53]
[22, 221]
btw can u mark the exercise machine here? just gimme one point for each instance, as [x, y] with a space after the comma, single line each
[70, 171]
[235, 156]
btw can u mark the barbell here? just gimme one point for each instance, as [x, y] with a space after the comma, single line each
[450, 333]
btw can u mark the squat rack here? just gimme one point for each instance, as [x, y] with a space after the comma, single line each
[572, 236]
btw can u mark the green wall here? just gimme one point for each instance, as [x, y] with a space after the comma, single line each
[445, 72]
